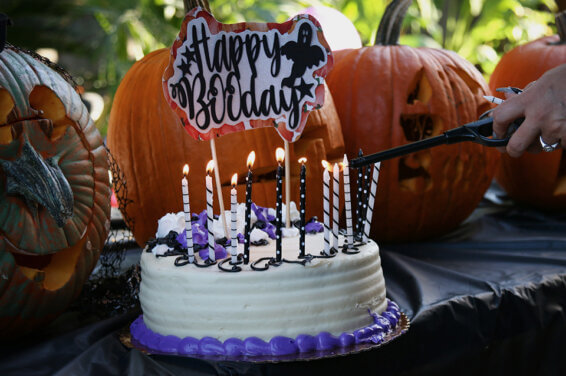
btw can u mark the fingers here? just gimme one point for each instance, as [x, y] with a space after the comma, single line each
[523, 139]
[505, 113]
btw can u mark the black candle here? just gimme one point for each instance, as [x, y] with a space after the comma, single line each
[359, 198]
[365, 198]
[302, 198]
[247, 230]
[280, 156]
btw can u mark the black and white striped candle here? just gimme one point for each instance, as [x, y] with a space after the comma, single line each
[365, 196]
[371, 200]
[209, 210]
[335, 204]
[326, 206]
[280, 157]
[348, 202]
[247, 228]
[359, 199]
[302, 198]
[187, 212]
[234, 220]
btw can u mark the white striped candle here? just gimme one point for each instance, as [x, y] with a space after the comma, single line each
[326, 206]
[209, 210]
[371, 200]
[234, 220]
[280, 157]
[187, 212]
[335, 204]
[303, 178]
[348, 202]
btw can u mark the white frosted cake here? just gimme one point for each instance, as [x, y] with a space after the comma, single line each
[318, 304]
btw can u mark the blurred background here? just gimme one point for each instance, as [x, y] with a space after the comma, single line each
[97, 41]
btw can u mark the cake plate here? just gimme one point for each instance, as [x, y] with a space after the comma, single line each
[401, 328]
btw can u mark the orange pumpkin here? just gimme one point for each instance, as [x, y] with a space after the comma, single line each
[388, 95]
[150, 146]
[54, 193]
[538, 180]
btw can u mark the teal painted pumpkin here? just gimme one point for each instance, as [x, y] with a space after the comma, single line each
[54, 193]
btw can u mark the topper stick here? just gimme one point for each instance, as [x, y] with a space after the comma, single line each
[287, 186]
[219, 187]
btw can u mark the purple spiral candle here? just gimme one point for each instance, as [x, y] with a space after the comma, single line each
[209, 211]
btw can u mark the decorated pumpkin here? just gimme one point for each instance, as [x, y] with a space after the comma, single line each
[389, 95]
[538, 180]
[151, 147]
[54, 193]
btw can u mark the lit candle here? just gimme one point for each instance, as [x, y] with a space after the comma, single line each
[280, 157]
[302, 198]
[234, 219]
[348, 203]
[335, 204]
[326, 206]
[359, 198]
[209, 208]
[371, 200]
[247, 230]
[187, 211]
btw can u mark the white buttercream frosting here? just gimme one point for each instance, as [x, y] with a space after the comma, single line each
[331, 295]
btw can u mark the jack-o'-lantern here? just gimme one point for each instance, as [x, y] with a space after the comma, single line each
[538, 180]
[151, 147]
[54, 193]
[388, 95]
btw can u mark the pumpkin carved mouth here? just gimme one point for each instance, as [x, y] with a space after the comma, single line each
[54, 270]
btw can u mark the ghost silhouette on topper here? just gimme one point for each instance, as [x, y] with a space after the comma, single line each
[302, 53]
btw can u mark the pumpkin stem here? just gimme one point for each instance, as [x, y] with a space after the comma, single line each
[389, 28]
[190, 4]
[561, 26]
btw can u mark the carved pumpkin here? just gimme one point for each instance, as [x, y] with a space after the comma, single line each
[388, 95]
[538, 180]
[150, 146]
[54, 193]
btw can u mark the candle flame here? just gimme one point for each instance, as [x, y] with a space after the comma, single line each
[234, 180]
[251, 159]
[280, 155]
[302, 160]
[185, 170]
[326, 165]
[210, 167]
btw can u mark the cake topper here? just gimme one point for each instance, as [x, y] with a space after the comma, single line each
[225, 78]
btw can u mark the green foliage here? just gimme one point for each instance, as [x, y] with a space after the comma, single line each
[99, 40]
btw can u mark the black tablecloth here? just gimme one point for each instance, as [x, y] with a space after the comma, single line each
[489, 298]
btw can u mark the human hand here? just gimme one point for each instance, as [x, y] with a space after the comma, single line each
[543, 105]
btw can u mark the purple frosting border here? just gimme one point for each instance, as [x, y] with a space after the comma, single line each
[375, 333]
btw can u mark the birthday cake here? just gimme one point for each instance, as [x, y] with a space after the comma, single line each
[267, 288]
[300, 305]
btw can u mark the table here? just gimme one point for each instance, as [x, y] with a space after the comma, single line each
[488, 298]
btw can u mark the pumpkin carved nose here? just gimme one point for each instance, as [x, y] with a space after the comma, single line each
[40, 182]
